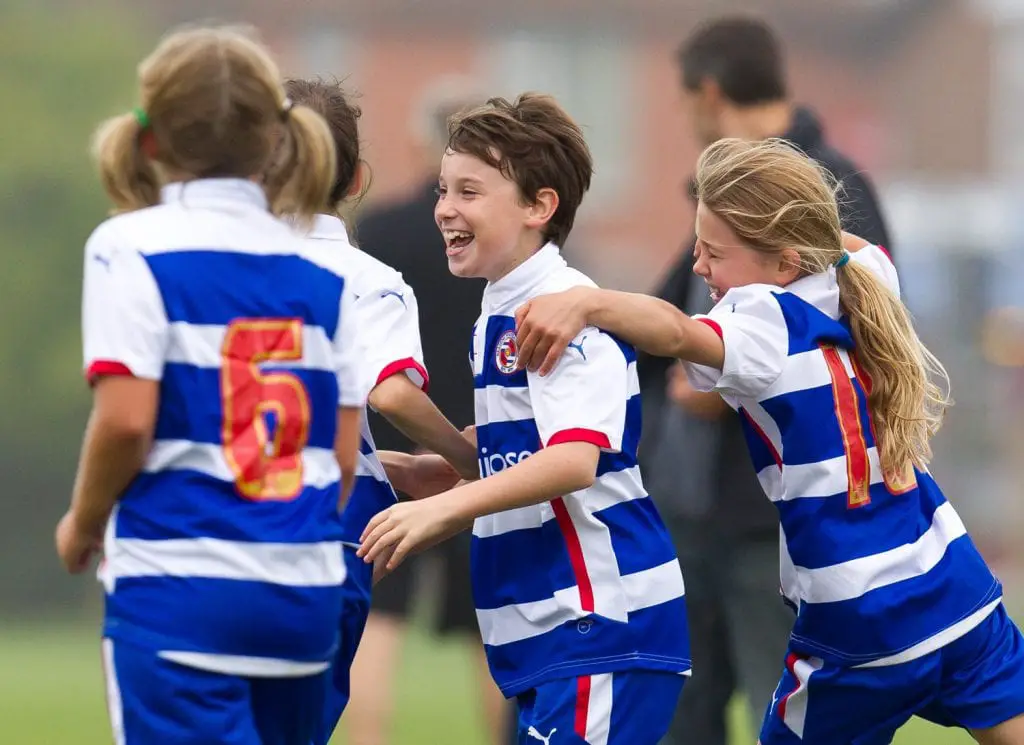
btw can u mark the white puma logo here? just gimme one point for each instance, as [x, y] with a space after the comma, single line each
[532, 732]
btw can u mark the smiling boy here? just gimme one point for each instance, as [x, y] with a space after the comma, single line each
[578, 590]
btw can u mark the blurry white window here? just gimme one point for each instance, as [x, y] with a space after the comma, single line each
[324, 50]
[590, 74]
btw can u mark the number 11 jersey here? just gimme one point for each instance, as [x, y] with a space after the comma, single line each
[224, 553]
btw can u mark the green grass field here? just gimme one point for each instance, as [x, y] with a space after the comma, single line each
[51, 693]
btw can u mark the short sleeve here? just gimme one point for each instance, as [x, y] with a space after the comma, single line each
[878, 262]
[753, 330]
[351, 382]
[584, 398]
[389, 327]
[124, 324]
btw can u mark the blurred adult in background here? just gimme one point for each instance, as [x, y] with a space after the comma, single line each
[694, 459]
[403, 234]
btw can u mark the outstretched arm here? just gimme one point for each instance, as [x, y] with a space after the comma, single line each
[413, 526]
[548, 323]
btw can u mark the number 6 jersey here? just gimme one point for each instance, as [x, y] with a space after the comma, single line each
[224, 553]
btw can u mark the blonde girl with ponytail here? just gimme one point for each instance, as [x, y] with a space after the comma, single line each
[224, 435]
[897, 613]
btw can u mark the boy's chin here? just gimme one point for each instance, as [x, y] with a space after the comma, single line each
[460, 267]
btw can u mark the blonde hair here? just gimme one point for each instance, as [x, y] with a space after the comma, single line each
[775, 198]
[216, 107]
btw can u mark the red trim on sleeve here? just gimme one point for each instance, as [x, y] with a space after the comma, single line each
[884, 250]
[401, 366]
[100, 368]
[713, 325]
[578, 434]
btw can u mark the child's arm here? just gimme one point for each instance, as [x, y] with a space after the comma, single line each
[412, 526]
[410, 410]
[393, 353]
[548, 323]
[418, 476]
[580, 409]
[124, 332]
[117, 438]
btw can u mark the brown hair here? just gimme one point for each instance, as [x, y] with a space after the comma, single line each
[329, 100]
[534, 143]
[215, 108]
[775, 198]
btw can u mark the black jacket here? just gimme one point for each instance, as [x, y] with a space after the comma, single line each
[405, 236]
[739, 503]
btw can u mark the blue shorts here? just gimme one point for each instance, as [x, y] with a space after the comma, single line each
[355, 610]
[154, 701]
[976, 681]
[633, 707]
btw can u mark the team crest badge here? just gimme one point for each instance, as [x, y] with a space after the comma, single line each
[506, 353]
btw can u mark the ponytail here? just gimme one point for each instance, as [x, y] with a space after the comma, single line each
[127, 175]
[907, 403]
[300, 182]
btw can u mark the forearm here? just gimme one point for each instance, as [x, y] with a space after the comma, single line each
[546, 475]
[648, 323]
[653, 326]
[412, 412]
[109, 461]
[399, 468]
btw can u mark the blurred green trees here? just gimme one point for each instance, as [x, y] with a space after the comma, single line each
[62, 69]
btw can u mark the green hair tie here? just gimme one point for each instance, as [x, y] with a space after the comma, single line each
[141, 117]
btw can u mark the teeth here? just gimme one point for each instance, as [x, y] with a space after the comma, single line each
[453, 235]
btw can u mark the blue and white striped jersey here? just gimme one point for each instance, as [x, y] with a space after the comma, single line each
[880, 573]
[225, 553]
[589, 582]
[387, 315]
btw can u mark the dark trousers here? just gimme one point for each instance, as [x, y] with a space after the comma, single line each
[739, 628]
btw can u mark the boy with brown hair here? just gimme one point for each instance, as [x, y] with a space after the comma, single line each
[578, 590]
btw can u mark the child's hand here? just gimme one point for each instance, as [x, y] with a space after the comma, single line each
[75, 547]
[680, 392]
[546, 324]
[430, 474]
[406, 528]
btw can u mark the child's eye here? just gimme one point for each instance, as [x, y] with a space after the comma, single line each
[468, 193]
[440, 191]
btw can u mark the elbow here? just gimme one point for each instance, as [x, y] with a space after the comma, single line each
[391, 396]
[126, 425]
[584, 479]
[581, 475]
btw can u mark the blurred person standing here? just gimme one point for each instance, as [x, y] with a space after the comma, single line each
[694, 458]
[403, 235]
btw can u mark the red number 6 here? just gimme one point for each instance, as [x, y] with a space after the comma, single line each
[264, 469]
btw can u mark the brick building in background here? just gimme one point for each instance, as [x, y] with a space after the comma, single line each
[881, 74]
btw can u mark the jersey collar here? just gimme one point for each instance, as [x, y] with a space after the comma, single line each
[519, 284]
[212, 192]
[329, 228]
[820, 290]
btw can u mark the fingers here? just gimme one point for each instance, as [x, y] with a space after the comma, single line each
[378, 543]
[375, 521]
[404, 547]
[554, 353]
[527, 339]
[522, 312]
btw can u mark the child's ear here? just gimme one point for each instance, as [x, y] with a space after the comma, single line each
[543, 208]
[789, 266]
[359, 179]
